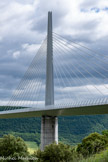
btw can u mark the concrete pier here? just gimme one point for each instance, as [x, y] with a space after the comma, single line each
[49, 130]
[49, 124]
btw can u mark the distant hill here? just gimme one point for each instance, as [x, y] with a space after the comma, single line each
[71, 129]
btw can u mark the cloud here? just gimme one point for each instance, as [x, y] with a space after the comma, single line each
[31, 48]
[16, 54]
[24, 26]
[0, 38]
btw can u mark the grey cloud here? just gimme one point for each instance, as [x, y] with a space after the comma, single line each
[31, 28]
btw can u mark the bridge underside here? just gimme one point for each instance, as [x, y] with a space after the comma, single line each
[69, 111]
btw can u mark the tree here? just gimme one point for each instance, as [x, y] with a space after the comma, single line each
[54, 152]
[92, 144]
[105, 133]
[13, 147]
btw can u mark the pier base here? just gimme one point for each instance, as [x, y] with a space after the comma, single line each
[49, 130]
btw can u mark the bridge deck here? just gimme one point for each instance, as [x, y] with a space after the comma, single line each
[52, 111]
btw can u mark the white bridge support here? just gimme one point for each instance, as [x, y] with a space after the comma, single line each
[49, 124]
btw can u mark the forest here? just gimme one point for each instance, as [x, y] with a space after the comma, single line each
[71, 129]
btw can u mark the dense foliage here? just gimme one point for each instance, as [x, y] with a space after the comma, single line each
[105, 133]
[92, 144]
[71, 129]
[15, 148]
[12, 147]
[54, 152]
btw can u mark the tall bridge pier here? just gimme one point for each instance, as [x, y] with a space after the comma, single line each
[49, 124]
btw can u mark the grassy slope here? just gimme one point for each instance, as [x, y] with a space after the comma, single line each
[102, 157]
[32, 146]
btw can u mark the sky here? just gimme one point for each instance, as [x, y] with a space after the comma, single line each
[23, 27]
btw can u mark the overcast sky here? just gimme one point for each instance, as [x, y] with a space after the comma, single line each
[23, 26]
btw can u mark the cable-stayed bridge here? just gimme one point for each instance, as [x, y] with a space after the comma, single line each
[65, 78]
